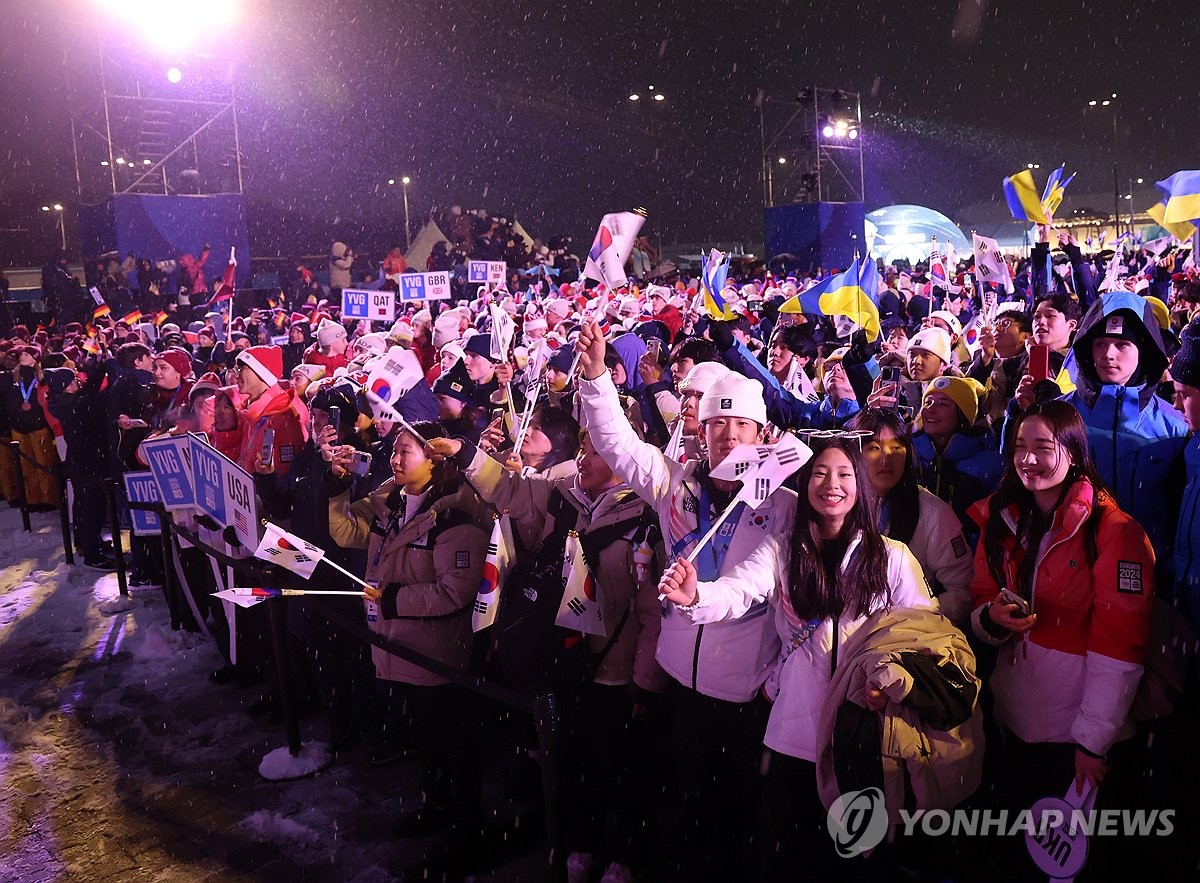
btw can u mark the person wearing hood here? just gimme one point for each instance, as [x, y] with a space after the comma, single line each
[341, 257]
[1136, 437]
[299, 340]
[81, 408]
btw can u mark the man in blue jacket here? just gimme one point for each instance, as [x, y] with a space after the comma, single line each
[1136, 437]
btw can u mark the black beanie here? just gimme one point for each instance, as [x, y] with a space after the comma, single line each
[1185, 367]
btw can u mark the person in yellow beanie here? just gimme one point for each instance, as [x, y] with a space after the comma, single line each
[955, 459]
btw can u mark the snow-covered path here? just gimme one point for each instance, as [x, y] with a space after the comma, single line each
[121, 761]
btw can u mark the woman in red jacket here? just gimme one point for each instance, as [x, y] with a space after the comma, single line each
[1063, 585]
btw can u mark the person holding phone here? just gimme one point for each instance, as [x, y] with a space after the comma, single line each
[1063, 585]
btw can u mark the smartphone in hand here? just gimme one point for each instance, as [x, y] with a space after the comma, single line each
[1039, 362]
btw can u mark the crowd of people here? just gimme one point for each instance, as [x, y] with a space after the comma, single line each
[1001, 493]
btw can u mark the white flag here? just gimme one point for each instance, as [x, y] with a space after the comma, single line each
[582, 605]
[503, 328]
[1159, 247]
[990, 265]
[495, 569]
[611, 248]
[289, 551]
[393, 374]
[674, 449]
[240, 597]
[762, 478]
[1112, 275]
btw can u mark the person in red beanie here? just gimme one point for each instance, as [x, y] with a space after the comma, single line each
[268, 405]
[173, 382]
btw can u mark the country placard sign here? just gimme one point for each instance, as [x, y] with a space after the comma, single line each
[170, 464]
[382, 306]
[493, 272]
[140, 487]
[424, 286]
[356, 303]
[225, 492]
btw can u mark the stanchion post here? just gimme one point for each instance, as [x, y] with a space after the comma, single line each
[110, 488]
[545, 718]
[279, 642]
[169, 590]
[19, 475]
[64, 517]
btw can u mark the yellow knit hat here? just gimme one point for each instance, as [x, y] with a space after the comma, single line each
[963, 391]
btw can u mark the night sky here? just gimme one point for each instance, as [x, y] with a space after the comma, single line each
[523, 108]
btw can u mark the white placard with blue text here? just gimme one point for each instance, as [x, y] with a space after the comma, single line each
[425, 286]
[141, 487]
[493, 272]
[225, 492]
[170, 463]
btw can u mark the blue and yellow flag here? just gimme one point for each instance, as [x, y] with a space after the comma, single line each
[1181, 230]
[1183, 197]
[853, 294]
[1021, 193]
[1052, 196]
[715, 268]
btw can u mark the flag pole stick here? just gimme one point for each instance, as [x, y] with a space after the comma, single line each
[289, 592]
[339, 567]
[712, 532]
[527, 418]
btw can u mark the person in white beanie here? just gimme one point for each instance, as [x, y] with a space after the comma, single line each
[329, 349]
[717, 671]
[446, 328]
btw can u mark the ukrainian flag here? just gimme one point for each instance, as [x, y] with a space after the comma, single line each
[1052, 196]
[712, 281]
[1183, 197]
[1181, 230]
[1023, 202]
[853, 294]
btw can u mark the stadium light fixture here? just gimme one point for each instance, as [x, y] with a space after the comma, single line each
[174, 75]
[658, 96]
[633, 96]
[783, 160]
[170, 27]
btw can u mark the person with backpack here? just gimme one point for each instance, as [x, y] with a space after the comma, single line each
[614, 676]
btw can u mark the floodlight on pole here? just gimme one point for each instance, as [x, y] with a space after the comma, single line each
[633, 96]
[658, 96]
[174, 75]
[169, 27]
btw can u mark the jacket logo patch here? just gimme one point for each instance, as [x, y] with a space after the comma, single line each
[1129, 577]
[462, 560]
[726, 404]
[1115, 325]
[287, 453]
[959, 545]
[690, 505]
[760, 520]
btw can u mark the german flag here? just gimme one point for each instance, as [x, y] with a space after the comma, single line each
[91, 345]
[159, 318]
[101, 312]
[132, 318]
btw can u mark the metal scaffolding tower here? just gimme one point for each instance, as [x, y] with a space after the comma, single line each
[812, 147]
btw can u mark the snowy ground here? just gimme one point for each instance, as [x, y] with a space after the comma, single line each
[121, 761]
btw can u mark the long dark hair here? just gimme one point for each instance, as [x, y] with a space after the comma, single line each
[864, 580]
[563, 431]
[1069, 431]
[903, 500]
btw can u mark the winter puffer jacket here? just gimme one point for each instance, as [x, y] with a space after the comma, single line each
[1136, 438]
[428, 566]
[1073, 676]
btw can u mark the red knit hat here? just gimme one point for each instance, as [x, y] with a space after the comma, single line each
[177, 359]
[264, 361]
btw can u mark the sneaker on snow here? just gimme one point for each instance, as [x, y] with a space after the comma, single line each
[100, 562]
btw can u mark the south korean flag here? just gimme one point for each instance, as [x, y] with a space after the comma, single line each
[289, 551]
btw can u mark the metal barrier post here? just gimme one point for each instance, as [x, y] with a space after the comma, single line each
[64, 517]
[19, 474]
[546, 719]
[279, 642]
[110, 487]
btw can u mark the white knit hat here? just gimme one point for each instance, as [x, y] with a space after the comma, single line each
[734, 396]
[375, 343]
[445, 328]
[702, 376]
[932, 340]
[329, 331]
[950, 319]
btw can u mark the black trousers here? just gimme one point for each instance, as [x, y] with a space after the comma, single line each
[718, 752]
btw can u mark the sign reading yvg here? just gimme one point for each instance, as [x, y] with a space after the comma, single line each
[356, 303]
[425, 286]
[486, 271]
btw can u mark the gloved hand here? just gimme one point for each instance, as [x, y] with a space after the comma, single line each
[861, 350]
[721, 334]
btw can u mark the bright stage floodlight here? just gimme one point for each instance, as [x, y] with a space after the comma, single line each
[853, 134]
[170, 27]
[174, 75]
[827, 131]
